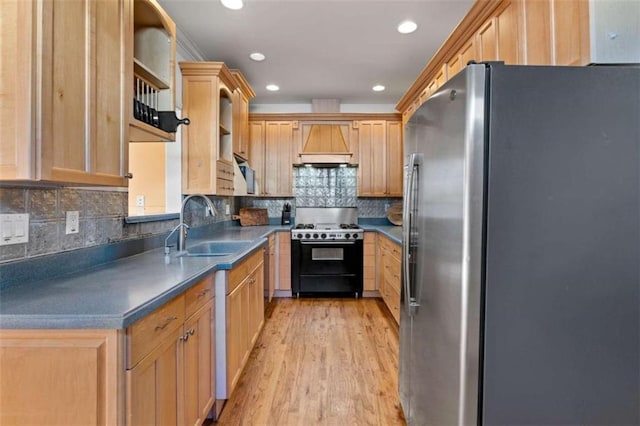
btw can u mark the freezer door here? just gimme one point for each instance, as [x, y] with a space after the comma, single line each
[440, 312]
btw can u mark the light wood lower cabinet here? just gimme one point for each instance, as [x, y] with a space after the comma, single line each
[244, 318]
[369, 262]
[272, 267]
[389, 276]
[61, 377]
[170, 361]
[284, 261]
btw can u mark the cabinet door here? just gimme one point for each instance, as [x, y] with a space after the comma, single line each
[256, 304]
[240, 125]
[487, 41]
[200, 138]
[508, 33]
[284, 261]
[153, 385]
[17, 42]
[237, 306]
[60, 377]
[83, 133]
[537, 17]
[272, 265]
[257, 153]
[372, 140]
[278, 171]
[199, 362]
[395, 158]
[369, 261]
[571, 32]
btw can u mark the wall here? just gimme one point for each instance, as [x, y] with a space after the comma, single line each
[102, 219]
[323, 187]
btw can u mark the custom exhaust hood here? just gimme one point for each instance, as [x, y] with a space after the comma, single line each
[325, 146]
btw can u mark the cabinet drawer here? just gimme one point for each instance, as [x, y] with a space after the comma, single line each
[224, 170]
[224, 187]
[147, 333]
[242, 271]
[198, 295]
[392, 248]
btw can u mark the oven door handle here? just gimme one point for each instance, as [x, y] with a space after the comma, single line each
[328, 243]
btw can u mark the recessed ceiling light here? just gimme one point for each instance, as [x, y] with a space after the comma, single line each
[232, 4]
[378, 88]
[407, 27]
[257, 56]
[272, 87]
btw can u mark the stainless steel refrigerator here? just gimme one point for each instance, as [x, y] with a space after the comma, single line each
[521, 251]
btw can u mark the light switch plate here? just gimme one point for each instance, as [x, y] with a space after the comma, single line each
[73, 222]
[14, 228]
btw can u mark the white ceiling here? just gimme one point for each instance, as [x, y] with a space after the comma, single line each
[320, 48]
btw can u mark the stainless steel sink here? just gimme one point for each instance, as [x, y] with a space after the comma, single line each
[217, 248]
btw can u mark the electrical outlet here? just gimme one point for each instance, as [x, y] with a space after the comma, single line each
[14, 228]
[139, 200]
[386, 206]
[227, 209]
[73, 222]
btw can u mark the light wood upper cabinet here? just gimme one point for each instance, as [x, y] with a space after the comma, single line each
[278, 169]
[372, 141]
[63, 106]
[271, 151]
[152, 60]
[535, 32]
[395, 158]
[207, 143]
[241, 97]
[381, 159]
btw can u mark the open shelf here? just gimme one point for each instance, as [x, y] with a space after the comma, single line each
[142, 71]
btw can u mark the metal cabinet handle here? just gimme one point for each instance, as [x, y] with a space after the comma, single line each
[191, 332]
[128, 176]
[203, 292]
[165, 323]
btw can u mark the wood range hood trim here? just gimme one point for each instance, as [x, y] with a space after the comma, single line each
[325, 146]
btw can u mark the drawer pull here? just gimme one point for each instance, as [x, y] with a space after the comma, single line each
[165, 323]
[203, 292]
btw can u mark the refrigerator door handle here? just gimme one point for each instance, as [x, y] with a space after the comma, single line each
[409, 202]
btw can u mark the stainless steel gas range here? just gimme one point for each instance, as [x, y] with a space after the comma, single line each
[326, 252]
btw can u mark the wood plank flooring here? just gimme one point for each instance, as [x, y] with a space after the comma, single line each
[320, 362]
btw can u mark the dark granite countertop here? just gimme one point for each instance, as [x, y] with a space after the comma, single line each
[116, 294]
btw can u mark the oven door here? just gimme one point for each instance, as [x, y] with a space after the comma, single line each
[326, 267]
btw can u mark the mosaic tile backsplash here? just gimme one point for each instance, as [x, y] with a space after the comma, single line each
[325, 187]
[102, 214]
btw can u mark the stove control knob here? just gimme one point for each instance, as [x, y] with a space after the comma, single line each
[307, 236]
[355, 236]
[300, 236]
[323, 236]
[347, 236]
[315, 236]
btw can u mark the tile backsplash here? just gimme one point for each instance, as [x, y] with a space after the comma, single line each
[323, 187]
[102, 218]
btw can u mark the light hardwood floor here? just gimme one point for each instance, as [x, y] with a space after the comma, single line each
[321, 362]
